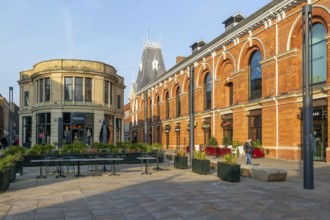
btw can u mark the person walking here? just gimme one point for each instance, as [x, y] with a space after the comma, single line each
[248, 148]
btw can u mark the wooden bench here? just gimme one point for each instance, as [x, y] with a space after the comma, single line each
[267, 174]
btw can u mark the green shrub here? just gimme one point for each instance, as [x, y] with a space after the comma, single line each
[74, 148]
[257, 144]
[39, 149]
[17, 151]
[213, 142]
[199, 155]
[230, 159]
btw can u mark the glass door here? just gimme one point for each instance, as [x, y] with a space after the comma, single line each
[320, 139]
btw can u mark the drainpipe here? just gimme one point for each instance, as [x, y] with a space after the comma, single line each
[213, 113]
[276, 82]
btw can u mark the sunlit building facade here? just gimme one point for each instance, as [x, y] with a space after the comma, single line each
[247, 84]
[76, 95]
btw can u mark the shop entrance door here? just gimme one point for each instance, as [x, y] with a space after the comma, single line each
[78, 134]
[320, 134]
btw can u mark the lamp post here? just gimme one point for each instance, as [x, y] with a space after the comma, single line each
[11, 109]
[191, 114]
[308, 138]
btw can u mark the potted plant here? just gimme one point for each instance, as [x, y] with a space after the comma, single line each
[213, 145]
[4, 174]
[18, 152]
[229, 169]
[258, 150]
[180, 159]
[200, 164]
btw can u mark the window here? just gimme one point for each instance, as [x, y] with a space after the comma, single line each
[150, 110]
[319, 53]
[47, 89]
[88, 89]
[167, 106]
[78, 89]
[158, 108]
[229, 94]
[207, 91]
[106, 92]
[43, 128]
[255, 75]
[178, 102]
[68, 89]
[111, 87]
[26, 98]
[26, 137]
[255, 125]
[41, 90]
[118, 102]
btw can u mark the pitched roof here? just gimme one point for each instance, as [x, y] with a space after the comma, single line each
[151, 65]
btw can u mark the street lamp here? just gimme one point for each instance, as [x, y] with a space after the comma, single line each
[11, 109]
[308, 138]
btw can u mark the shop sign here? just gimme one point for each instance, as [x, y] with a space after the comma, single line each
[78, 118]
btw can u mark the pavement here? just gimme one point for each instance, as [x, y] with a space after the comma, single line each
[170, 194]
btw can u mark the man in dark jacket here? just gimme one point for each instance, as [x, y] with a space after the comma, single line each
[248, 148]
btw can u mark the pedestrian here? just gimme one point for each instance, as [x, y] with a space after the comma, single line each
[248, 148]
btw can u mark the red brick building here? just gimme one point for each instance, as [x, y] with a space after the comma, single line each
[248, 83]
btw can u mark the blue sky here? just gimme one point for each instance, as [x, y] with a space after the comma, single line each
[110, 31]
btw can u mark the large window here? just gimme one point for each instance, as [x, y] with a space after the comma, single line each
[255, 75]
[88, 89]
[41, 90]
[106, 92]
[26, 98]
[78, 89]
[47, 89]
[68, 89]
[178, 102]
[255, 125]
[111, 93]
[118, 102]
[207, 92]
[150, 110]
[158, 108]
[319, 53]
[167, 106]
[26, 136]
[43, 128]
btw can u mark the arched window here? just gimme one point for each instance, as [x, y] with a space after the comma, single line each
[167, 105]
[255, 75]
[150, 110]
[319, 53]
[158, 108]
[207, 92]
[178, 102]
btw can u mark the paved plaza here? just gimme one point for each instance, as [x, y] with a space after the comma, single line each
[171, 194]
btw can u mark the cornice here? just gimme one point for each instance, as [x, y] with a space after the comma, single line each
[277, 12]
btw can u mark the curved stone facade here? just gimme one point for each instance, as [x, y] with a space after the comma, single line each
[65, 89]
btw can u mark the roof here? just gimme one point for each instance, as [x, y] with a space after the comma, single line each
[151, 66]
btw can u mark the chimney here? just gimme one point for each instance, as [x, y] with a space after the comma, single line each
[233, 20]
[197, 46]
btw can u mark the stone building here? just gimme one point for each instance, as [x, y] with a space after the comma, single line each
[247, 84]
[72, 97]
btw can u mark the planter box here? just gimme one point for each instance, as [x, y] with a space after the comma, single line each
[13, 173]
[229, 172]
[201, 166]
[19, 167]
[181, 162]
[4, 179]
[223, 151]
